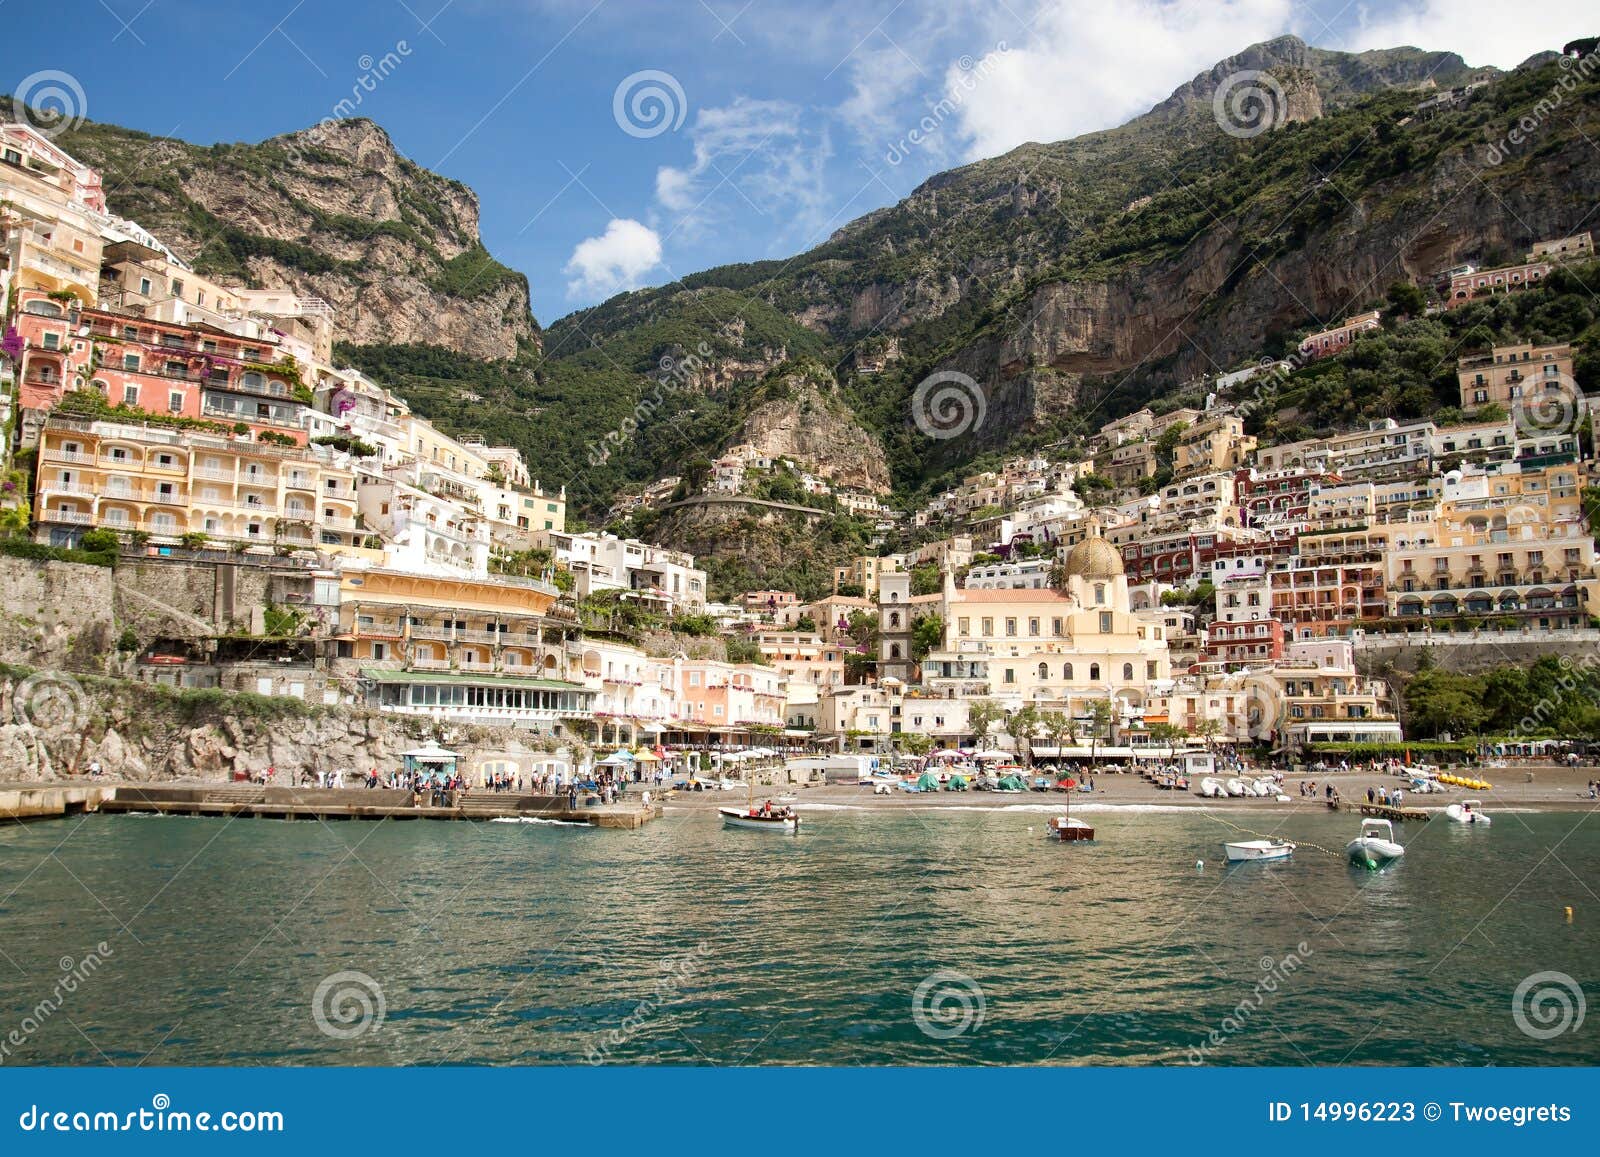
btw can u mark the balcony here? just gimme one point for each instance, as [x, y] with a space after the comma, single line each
[51, 454]
[214, 474]
[69, 517]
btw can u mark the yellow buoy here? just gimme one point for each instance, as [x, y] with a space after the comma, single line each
[1568, 910]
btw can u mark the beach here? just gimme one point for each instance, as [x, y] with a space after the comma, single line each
[1542, 787]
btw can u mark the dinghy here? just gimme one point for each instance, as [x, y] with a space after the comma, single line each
[1375, 846]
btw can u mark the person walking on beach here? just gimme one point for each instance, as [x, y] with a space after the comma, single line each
[572, 797]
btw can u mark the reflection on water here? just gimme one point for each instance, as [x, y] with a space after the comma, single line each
[507, 943]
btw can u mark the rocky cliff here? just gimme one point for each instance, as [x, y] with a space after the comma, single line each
[333, 211]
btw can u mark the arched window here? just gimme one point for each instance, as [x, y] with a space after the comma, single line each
[1127, 672]
[1066, 672]
[894, 650]
[1099, 594]
[1044, 671]
[40, 308]
[1094, 672]
[894, 618]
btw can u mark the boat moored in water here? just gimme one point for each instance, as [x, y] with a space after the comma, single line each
[1068, 830]
[1247, 851]
[1375, 846]
[777, 820]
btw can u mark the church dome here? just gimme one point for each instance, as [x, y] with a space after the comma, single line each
[1094, 558]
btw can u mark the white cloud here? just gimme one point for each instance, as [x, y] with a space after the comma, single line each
[616, 260]
[762, 154]
[1084, 67]
[1482, 31]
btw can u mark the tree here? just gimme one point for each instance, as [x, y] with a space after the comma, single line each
[1023, 726]
[1208, 729]
[926, 580]
[1167, 735]
[915, 742]
[1405, 300]
[982, 714]
[1057, 726]
[1439, 701]
[806, 625]
[927, 634]
[1101, 714]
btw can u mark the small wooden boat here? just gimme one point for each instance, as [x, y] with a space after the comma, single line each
[1068, 830]
[784, 820]
[1247, 851]
[1468, 811]
[1375, 846]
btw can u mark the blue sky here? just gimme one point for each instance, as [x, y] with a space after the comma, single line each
[618, 143]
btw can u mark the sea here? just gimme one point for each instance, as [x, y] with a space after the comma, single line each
[889, 936]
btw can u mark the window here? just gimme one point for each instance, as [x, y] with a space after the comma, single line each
[1033, 627]
[144, 286]
[1055, 627]
[1011, 675]
[1099, 594]
[51, 341]
[1011, 628]
[130, 395]
[1044, 672]
[1127, 672]
[1094, 672]
[130, 361]
[1066, 672]
[1105, 622]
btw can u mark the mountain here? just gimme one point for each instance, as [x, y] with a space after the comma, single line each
[333, 211]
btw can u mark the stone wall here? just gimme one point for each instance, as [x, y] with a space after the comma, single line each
[1471, 654]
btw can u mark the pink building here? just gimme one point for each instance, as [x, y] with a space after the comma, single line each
[715, 695]
[1465, 287]
[1338, 339]
[186, 371]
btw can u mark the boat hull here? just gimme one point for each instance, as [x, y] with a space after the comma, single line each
[734, 818]
[1249, 851]
[1465, 815]
[1366, 852]
[1069, 831]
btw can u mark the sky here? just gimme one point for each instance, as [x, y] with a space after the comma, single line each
[616, 144]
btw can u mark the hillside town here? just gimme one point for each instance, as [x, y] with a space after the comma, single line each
[1170, 578]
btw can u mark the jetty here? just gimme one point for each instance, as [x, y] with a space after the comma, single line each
[252, 801]
[1383, 811]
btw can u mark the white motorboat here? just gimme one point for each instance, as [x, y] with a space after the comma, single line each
[780, 820]
[1375, 846]
[1244, 851]
[1211, 789]
[1468, 811]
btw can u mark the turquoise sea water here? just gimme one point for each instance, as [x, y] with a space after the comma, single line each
[917, 937]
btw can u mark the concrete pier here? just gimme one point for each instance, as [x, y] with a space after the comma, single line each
[39, 801]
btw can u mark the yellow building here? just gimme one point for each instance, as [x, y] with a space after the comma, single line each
[1055, 649]
[1509, 375]
[1218, 443]
[172, 482]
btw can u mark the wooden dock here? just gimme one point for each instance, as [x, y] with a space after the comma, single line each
[310, 803]
[1383, 811]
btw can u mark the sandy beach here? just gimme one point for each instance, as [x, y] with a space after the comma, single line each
[1540, 787]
